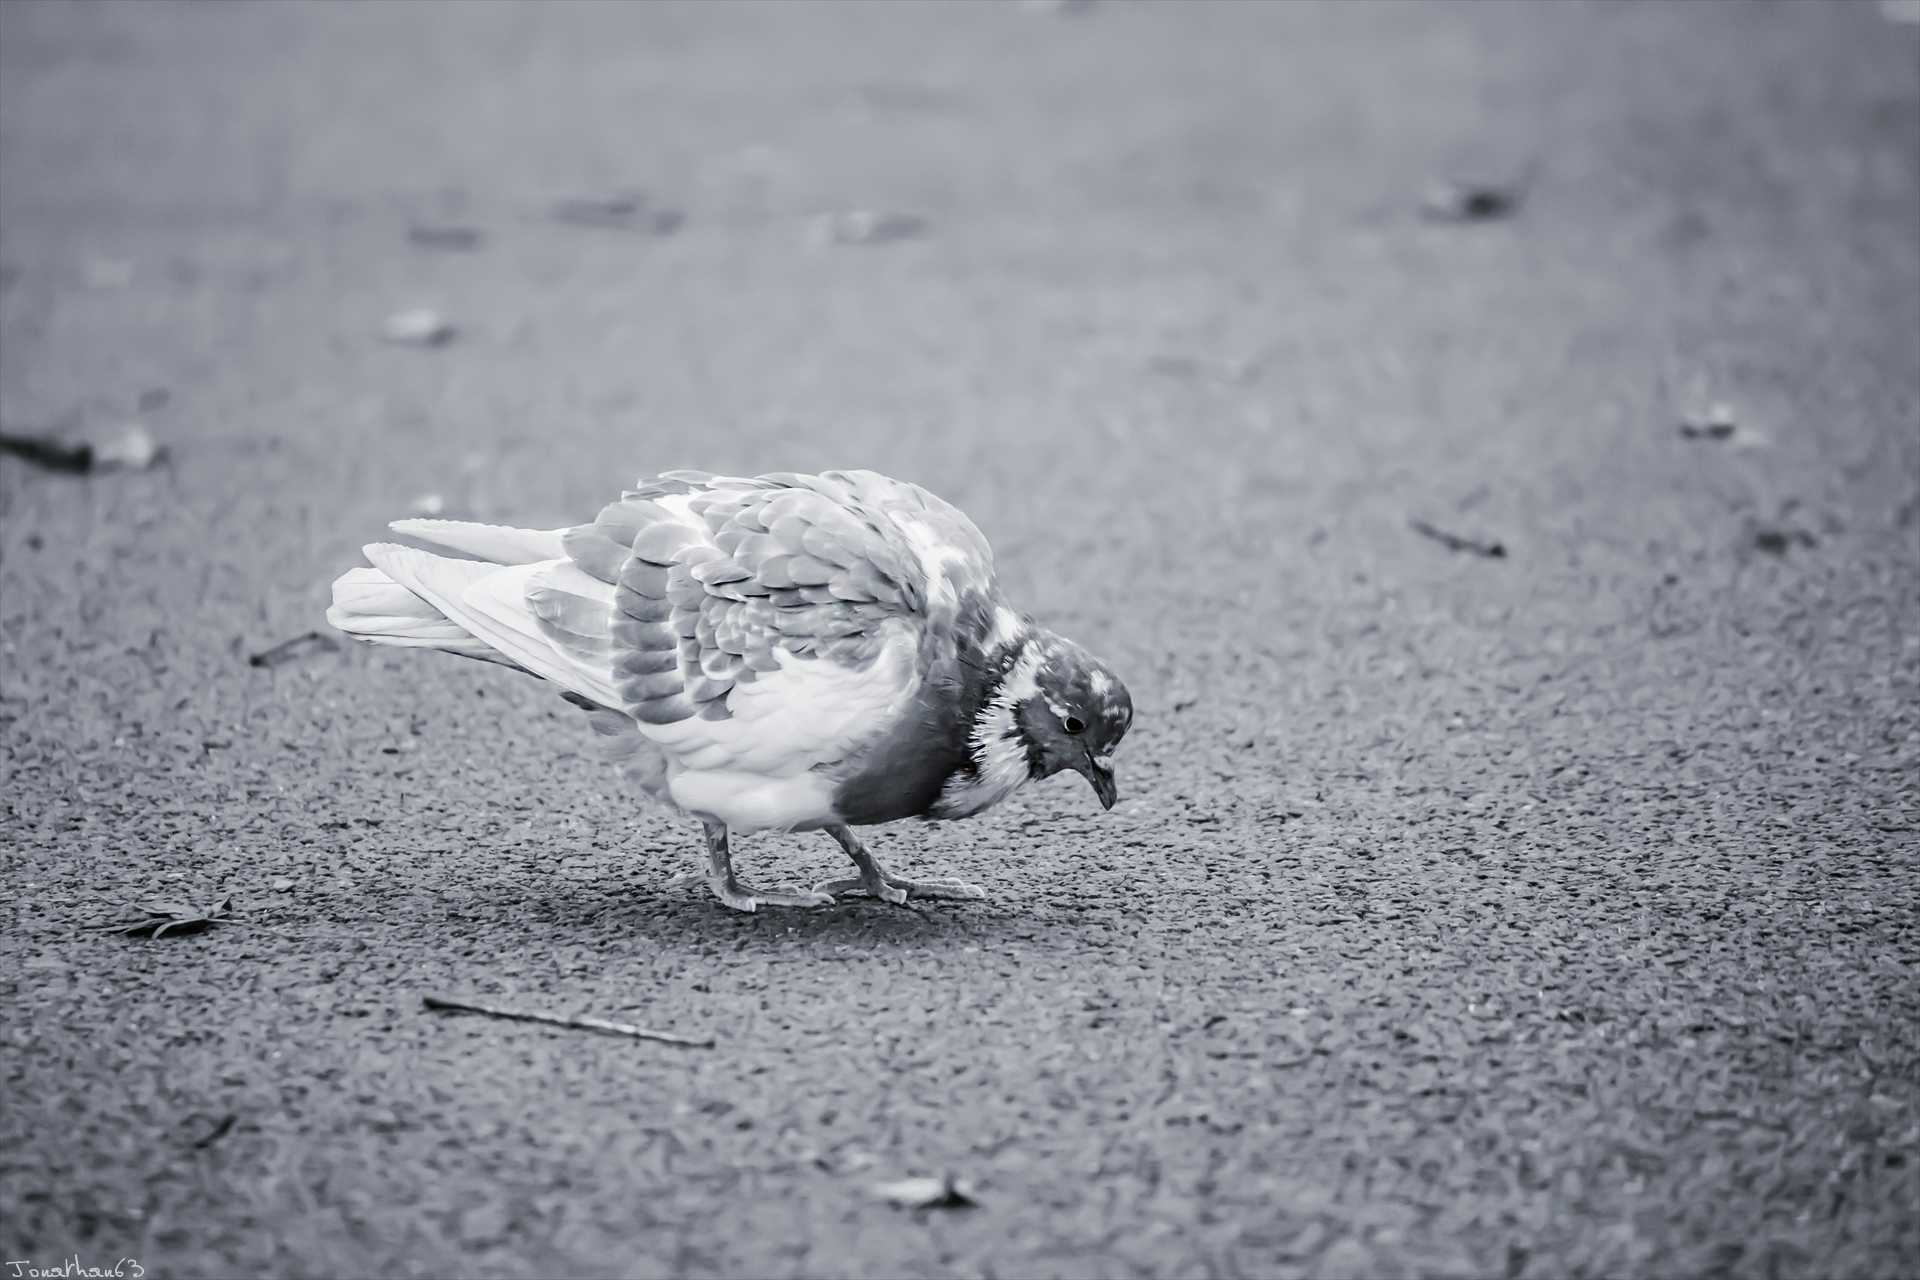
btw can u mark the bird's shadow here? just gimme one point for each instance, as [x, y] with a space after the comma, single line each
[689, 920]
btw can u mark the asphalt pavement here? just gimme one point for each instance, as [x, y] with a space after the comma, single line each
[1485, 438]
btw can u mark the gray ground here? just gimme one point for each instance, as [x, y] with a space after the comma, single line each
[1534, 916]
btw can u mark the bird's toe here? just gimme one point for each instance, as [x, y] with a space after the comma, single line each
[885, 890]
[954, 890]
[792, 895]
[738, 899]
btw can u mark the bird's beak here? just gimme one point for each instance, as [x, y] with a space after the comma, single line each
[1101, 776]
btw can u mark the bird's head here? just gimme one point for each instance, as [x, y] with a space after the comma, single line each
[1075, 717]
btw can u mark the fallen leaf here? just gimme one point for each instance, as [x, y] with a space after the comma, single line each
[928, 1193]
[131, 448]
[298, 647]
[1452, 200]
[219, 1131]
[164, 918]
[45, 451]
[621, 211]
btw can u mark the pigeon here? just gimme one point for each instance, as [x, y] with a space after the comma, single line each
[778, 654]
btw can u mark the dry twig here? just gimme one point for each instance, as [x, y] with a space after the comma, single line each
[1454, 542]
[577, 1024]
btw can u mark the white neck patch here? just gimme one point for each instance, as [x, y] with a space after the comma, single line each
[999, 756]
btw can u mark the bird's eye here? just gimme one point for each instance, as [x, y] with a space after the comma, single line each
[1074, 725]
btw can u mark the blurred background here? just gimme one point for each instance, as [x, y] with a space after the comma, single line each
[1100, 274]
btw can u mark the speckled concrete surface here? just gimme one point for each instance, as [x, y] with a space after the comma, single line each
[1533, 916]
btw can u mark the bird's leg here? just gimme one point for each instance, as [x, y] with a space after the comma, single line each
[874, 879]
[744, 897]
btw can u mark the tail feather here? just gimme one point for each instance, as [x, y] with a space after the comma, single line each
[480, 609]
[499, 607]
[495, 542]
[368, 605]
[489, 602]
[442, 583]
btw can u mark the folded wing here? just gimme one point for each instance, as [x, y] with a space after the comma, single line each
[719, 581]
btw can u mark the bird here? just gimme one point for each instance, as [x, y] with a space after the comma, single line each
[780, 653]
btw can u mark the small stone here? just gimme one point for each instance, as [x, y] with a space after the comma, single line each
[1717, 423]
[1777, 540]
[423, 327]
[1455, 201]
[130, 448]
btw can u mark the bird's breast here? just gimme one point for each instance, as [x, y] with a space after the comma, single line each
[901, 772]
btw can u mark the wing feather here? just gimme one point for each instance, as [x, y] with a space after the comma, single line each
[443, 583]
[369, 605]
[510, 600]
[702, 605]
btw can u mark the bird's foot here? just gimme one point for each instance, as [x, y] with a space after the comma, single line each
[877, 882]
[744, 897]
[895, 889]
